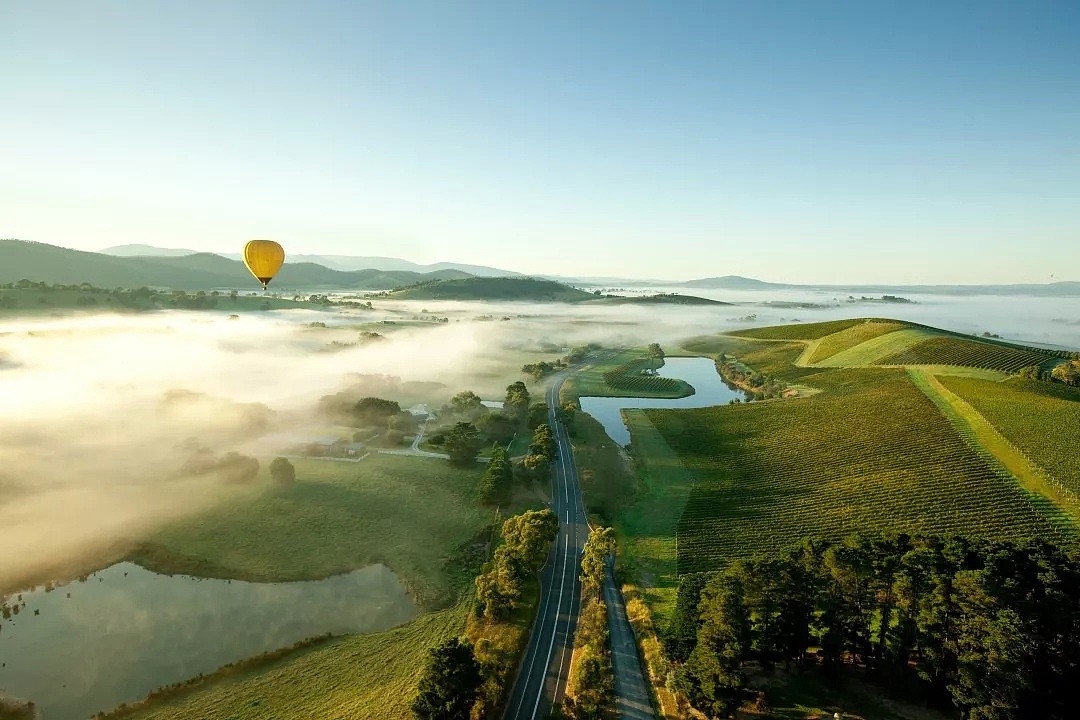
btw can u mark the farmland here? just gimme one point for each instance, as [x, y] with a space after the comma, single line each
[337, 517]
[870, 453]
[1039, 418]
[966, 353]
[593, 379]
[633, 377]
[850, 337]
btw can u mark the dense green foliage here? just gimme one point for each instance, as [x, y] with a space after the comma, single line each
[536, 464]
[495, 485]
[872, 453]
[1041, 419]
[985, 627]
[449, 685]
[526, 540]
[598, 548]
[282, 471]
[591, 688]
[462, 443]
[966, 353]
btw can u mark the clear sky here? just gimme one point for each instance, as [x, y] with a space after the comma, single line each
[791, 141]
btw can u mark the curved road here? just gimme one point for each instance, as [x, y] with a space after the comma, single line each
[545, 667]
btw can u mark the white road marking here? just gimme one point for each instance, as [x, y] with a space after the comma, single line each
[555, 625]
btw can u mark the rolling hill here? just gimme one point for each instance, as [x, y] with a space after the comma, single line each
[334, 262]
[200, 271]
[476, 288]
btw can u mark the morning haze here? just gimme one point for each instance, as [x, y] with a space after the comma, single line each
[485, 361]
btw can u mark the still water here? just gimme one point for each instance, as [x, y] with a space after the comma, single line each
[124, 631]
[699, 372]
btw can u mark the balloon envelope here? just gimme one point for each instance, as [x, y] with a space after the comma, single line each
[263, 258]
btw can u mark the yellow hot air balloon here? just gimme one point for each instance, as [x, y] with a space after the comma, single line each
[263, 258]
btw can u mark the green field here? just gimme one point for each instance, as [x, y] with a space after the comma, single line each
[850, 337]
[870, 453]
[492, 288]
[1041, 419]
[357, 676]
[411, 514]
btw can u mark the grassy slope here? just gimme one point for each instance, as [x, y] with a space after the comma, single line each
[870, 453]
[1041, 419]
[409, 513]
[850, 337]
[35, 302]
[357, 676]
[493, 288]
[801, 331]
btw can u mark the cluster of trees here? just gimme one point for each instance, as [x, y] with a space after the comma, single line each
[1067, 373]
[536, 464]
[498, 479]
[759, 385]
[521, 553]
[232, 467]
[592, 683]
[544, 368]
[282, 471]
[991, 629]
[450, 683]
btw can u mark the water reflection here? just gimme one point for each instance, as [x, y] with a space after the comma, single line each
[124, 631]
[699, 372]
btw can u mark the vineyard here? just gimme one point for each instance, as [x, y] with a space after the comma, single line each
[967, 353]
[633, 376]
[1041, 419]
[870, 454]
[807, 331]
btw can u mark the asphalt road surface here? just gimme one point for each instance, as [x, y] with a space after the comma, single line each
[545, 667]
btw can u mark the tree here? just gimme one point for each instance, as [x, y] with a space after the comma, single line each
[373, 411]
[466, 405]
[714, 667]
[450, 683]
[462, 443]
[516, 403]
[1068, 373]
[529, 535]
[497, 479]
[592, 683]
[234, 467]
[655, 350]
[681, 636]
[497, 427]
[282, 471]
[598, 547]
[538, 415]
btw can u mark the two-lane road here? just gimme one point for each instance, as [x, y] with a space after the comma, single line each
[545, 668]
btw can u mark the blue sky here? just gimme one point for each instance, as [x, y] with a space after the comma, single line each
[824, 142]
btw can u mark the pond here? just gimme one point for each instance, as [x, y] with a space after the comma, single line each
[699, 372]
[90, 645]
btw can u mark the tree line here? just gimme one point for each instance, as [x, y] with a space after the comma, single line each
[991, 629]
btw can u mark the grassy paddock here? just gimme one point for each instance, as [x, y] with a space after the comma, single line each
[411, 514]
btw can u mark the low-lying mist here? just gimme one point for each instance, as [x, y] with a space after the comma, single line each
[103, 412]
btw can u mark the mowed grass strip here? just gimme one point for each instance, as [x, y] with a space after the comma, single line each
[409, 513]
[870, 454]
[850, 337]
[357, 676]
[1041, 419]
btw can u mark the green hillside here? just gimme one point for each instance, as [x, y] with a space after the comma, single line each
[866, 342]
[665, 299]
[496, 288]
[202, 271]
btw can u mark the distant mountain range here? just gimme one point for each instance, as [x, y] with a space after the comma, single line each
[199, 271]
[334, 262]
[736, 282]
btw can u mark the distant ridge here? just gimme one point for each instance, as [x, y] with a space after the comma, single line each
[334, 262]
[198, 271]
[737, 282]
